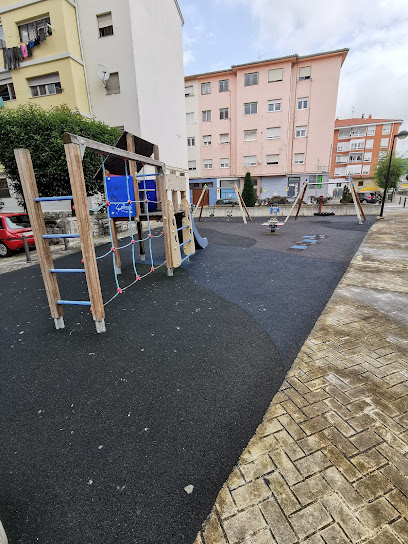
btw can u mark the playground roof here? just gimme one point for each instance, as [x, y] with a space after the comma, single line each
[116, 165]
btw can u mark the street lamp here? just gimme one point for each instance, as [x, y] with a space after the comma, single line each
[401, 135]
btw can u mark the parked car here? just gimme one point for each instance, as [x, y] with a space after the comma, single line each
[369, 196]
[12, 228]
[227, 202]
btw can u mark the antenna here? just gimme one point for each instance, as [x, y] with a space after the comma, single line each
[103, 73]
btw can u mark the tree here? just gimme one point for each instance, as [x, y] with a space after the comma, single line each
[396, 170]
[248, 193]
[40, 131]
[347, 197]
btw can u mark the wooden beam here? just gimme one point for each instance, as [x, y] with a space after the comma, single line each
[199, 202]
[243, 203]
[114, 230]
[294, 204]
[156, 156]
[76, 176]
[167, 221]
[130, 144]
[30, 191]
[355, 199]
[109, 149]
[301, 200]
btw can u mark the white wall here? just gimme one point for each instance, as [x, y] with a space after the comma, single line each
[158, 54]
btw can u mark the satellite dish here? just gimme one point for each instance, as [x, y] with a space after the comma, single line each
[102, 72]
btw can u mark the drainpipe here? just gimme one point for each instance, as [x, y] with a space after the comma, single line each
[83, 58]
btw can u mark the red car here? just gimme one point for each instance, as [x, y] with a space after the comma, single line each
[12, 228]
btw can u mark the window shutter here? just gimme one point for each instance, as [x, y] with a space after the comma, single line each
[190, 117]
[275, 75]
[305, 71]
[104, 20]
[224, 138]
[273, 132]
[44, 80]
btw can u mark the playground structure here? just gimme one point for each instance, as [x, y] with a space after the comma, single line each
[240, 200]
[300, 198]
[171, 207]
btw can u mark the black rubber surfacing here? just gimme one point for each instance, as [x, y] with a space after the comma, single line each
[101, 433]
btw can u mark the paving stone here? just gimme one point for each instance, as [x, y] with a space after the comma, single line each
[365, 440]
[198, 540]
[343, 464]
[316, 396]
[400, 528]
[250, 493]
[212, 532]
[289, 445]
[399, 502]
[312, 463]
[373, 486]
[235, 479]
[386, 536]
[311, 490]
[377, 513]
[292, 427]
[278, 523]
[283, 494]
[366, 462]
[294, 411]
[342, 443]
[314, 425]
[315, 409]
[314, 539]
[269, 426]
[334, 535]
[394, 475]
[275, 410]
[263, 537]
[361, 422]
[260, 466]
[313, 443]
[339, 483]
[224, 503]
[286, 467]
[309, 520]
[345, 518]
[398, 460]
[244, 524]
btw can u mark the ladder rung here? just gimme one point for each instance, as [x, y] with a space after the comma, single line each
[68, 270]
[60, 235]
[74, 302]
[53, 198]
[185, 227]
[184, 243]
[182, 260]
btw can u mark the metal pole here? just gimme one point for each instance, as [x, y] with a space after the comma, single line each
[26, 249]
[386, 179]
[405, 201]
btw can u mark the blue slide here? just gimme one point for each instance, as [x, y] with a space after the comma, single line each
[200, 242]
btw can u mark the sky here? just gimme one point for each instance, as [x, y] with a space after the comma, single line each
[374, 76]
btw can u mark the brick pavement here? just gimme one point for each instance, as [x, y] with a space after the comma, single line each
[329, 462]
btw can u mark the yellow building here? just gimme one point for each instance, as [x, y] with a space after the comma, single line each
[54, 73]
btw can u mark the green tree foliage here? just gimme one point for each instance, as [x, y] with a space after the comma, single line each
[40, 131]
[397, 169]
[347, 197]
[248, 193]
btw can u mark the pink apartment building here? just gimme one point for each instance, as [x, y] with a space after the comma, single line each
[273, 118]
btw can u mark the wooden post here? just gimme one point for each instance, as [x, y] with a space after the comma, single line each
[294, 204]
[239, 202]
[242, 202]
[156, 155]
[161, 180]
[199, 201]
[76, 176]
[355, 199]
[114, 230]
[29, 185]
[301, 200]
[130, 144]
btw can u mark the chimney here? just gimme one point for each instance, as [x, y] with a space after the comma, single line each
[362, 116]
[370, 116]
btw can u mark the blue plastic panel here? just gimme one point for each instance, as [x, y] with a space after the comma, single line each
[117, 195]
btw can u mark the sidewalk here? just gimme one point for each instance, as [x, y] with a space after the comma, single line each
[329, 462]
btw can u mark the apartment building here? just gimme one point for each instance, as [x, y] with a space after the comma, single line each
[65, 43]
[271, 118]
[358, 144]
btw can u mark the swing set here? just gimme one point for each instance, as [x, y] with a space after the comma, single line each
[171, 207]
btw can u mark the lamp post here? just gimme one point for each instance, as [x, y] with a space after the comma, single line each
[401, 135]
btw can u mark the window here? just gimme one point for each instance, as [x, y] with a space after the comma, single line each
[273, 133]
[251, 108]
[382, 155]
[188, 91]
[44, 85]
[369, 144]
[299, 158]
[191, 142]
[192, 165]
[206, 115]
[386, 129]
[344, 134]
[251, 79]
[305, 72]
[224, 113]
[302, 103]
[357, 144]
[275, 75]
[360, 183]
[254, 182]
[300, 132]
[7, 90]
[2, 40]
[224, 138]
[354, 169]
[358, 131]
[272, 159]
[274, 105]
[356, 157]
[342, 159]
[4, 190]
[206, 140]
[30, 31]
[105, 24]
[207, 164]
[205, 88]
[190, 118]
[384, 142]
[224, 163]
[371, 131]
[250, 160]
[249, 135]
[223, 85]
[113, 84]
[340, 171]
[366, 169]
[367, 156]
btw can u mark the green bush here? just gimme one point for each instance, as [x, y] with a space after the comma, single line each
[248, 194]
[39, 130]
[347, 197]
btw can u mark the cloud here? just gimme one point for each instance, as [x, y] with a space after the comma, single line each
[188, 57]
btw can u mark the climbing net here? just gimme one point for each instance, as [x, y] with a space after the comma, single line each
[133, 241]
